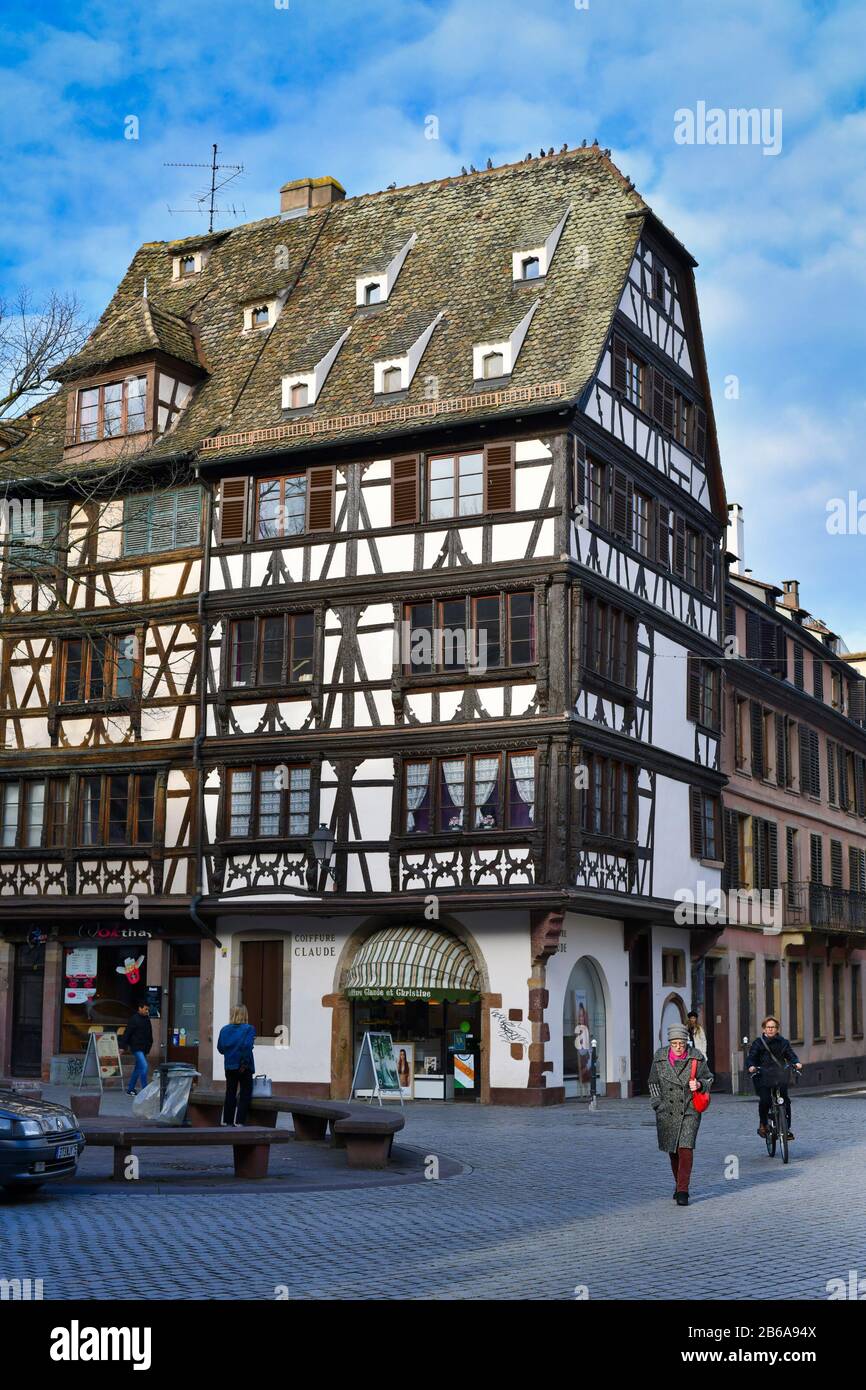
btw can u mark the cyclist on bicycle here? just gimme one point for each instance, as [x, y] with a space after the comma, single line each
[771, 1049]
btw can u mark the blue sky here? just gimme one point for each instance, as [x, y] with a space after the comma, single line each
[332, 87]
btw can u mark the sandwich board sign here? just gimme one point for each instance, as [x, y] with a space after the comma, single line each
[101, 1060]
[376, 1072]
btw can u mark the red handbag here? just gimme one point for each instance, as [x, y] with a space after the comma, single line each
[700, 1099]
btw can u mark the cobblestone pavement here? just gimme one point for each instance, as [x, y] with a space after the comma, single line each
[548, 1200]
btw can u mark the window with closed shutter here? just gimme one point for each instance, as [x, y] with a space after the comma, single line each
[405, 491]
[842, 760]
[791, 862]
[816, 858]
[836, 863]
[757, 729]
[732, 850]
[169, 520]
[699, 432]
[798, 665]
[831, 772]
[262, 985]
[320, 498]
[622, 499]
[817, 677]
[233, 510]
[499, 478]
[781, 750]
[35, 543]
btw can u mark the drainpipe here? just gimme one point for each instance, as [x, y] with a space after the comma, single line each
[203, 927]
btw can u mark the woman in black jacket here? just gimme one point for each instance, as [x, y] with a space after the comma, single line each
[770, 1049]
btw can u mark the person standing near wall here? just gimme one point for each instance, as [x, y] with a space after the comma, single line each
[235, 1043]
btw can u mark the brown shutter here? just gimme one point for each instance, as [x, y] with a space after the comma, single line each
[709, 565]
[757, 721]
[699, 432]
[831, 772]
[623, 491]
[580, 473]
[843, 776]
[781, 750]
[663, 536]
[499, 478]
[619, 364]
[262, 984]
[405, 491]
[679, 546]
[696, 823]
[772, 855]
[233, 510]
[320, 498]
[693, 689]
[732, 850]
[663, 400]
[816, 766]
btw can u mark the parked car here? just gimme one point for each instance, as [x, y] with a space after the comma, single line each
[38, 1141]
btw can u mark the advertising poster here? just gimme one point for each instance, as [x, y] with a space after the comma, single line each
[404, 1055]
[582, 1036]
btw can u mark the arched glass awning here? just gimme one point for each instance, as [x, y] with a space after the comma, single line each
[413, 963]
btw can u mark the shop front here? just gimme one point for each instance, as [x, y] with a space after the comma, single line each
[422, 986]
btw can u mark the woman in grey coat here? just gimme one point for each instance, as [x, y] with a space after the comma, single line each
[677, 1120]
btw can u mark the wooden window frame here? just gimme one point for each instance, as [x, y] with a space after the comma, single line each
[133, 811]
[624, 776]
[504, 600]
[704, 807]
[110, 668]
[153, 546]
[704, 693]
[253, 832]
[50, 823]
[597, 617]
[288, 646]
[101, 386]
[469, 808]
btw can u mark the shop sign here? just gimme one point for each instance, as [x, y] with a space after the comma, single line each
[114, 933]
[314, 944]
[373, 993]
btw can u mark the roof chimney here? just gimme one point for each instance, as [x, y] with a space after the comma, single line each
[735, 543]
[791, 593]
[306, 195]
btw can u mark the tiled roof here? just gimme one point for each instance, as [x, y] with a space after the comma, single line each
[467, 228]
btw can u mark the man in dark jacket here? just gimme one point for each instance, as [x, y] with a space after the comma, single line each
[138, 1039]
[768, 1050]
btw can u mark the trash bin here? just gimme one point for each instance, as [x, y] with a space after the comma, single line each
[175, 1084]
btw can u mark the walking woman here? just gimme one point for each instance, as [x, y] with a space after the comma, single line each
[235, 1042]
[673, 1082]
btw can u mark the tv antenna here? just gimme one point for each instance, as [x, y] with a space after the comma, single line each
[209, 196]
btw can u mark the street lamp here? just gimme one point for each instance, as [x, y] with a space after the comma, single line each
[323, 848]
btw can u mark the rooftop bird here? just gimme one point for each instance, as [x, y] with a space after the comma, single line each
[564, 147]
[490, 163]
[463, 169]
[472, 169]
[392, 185]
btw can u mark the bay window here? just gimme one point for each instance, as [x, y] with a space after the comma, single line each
[268, 802]
[609, 798]
[476, 793]
[111, 409]
[117, 808]
[479, 631]
[273, 650]
[98, 667]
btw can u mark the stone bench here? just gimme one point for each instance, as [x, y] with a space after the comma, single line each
[365, 1132]
[250, 1145]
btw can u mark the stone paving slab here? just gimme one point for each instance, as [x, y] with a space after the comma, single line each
[551, 1202]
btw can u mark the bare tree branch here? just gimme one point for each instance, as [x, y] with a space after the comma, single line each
[34, 339]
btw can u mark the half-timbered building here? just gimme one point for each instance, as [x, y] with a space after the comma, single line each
[99, 697]
[460, 605]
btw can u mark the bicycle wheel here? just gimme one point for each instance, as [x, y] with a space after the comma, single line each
[782, 1127]
[771, 1135]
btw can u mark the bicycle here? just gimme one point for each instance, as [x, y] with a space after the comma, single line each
[777, 1126]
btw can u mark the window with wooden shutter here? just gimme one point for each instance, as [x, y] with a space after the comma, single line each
[817, 677]
[831, 772]
[816, 858]
[580, 489]
[699, 432]
[732, 850]
[693, 688]
[791, 866]
[663, 400]
[781, 750]
[623, 496]
[405, 491]
[815, 764]
[709, 568]
[262, 985]
[753, 636]
[757, 724]
[680, 546]
[857, 700]
[696, 822]
[499, 478]
[663, 536]
[233, 510]
[772, 864]
[842, 760]
[798, 665]
[619, 357]
[860, 785]
[836, 863]
[320, 498]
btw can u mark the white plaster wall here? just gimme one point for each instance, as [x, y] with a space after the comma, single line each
[668, 938]
[601, 939]
[674, 869]
[671, 729]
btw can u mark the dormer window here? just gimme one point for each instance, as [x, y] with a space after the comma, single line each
[262, 313]
[300, 388]
[299, 395]
[112, 409]
[497, 355]
[188, 265]
[392, 379]
[376, 285]
[531, 267]
[493, 365]
[533, 258]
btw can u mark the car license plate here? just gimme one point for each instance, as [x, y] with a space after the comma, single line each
[66, 1151]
